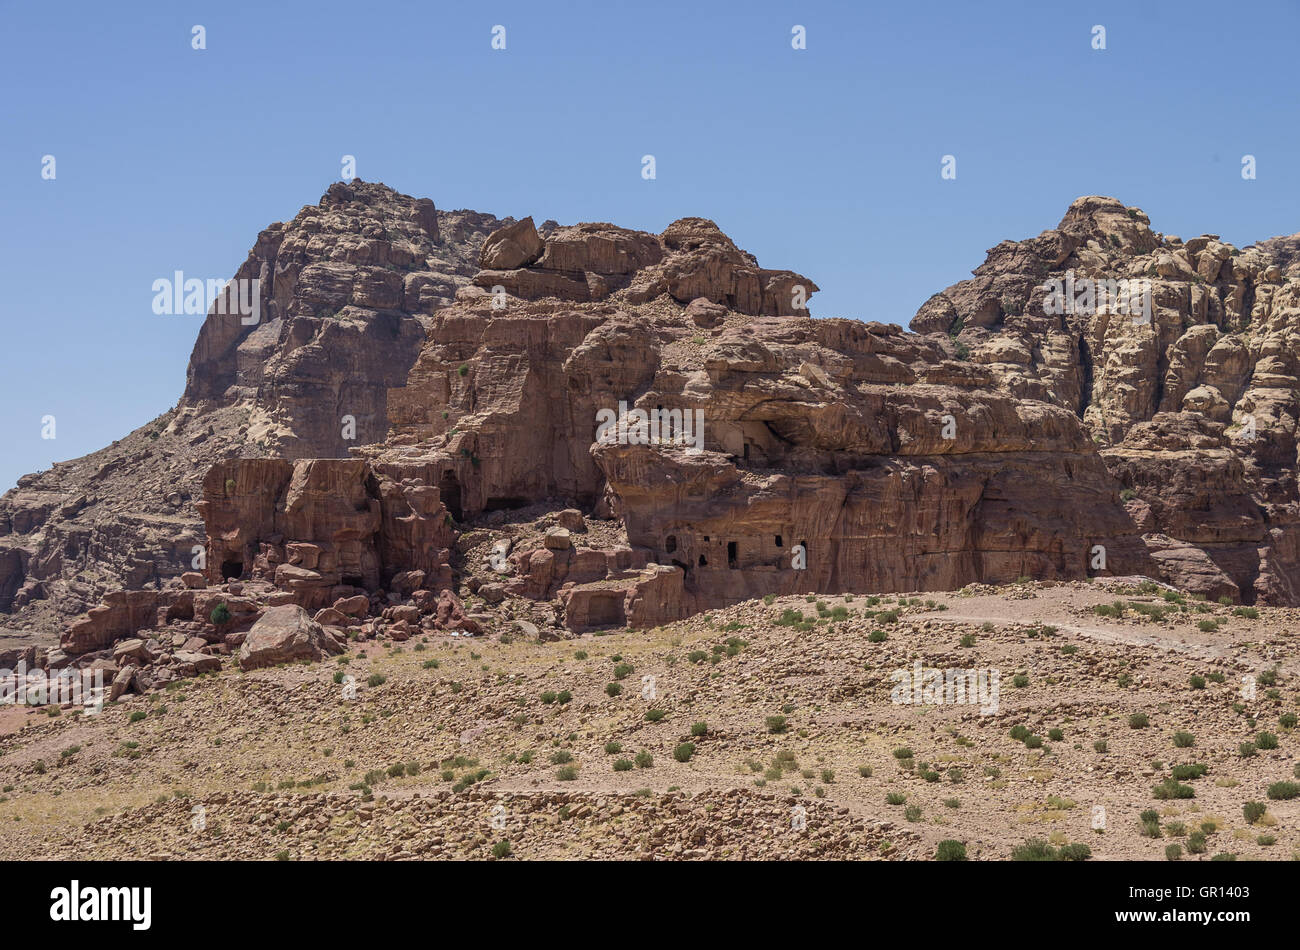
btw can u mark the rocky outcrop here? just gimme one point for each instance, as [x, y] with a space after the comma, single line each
[1099, 399]
[1194, 402]
[345, 291]
[691, 259]
[324, 529]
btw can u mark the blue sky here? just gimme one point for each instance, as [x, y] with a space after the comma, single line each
[824, 160]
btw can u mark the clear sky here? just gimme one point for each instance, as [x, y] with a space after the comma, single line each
[825, 160]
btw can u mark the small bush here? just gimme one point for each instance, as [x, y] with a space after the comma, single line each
[1170, 788]
[1184, 740]
[1283, 791]
[684, 751]
[950, 850]
[1138, 721]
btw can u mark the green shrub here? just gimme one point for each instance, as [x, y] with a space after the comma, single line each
[950, 850]
[684, 751]
[1283, 791]
[1184, 740]
[775, 724]
[1036, 849]
[220, 614]
[1253, 811]
[1138, 721]
[501, 849]
[1170, 788]
[1266, 740]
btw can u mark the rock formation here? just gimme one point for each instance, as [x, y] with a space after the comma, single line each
[602, 426]
[346, 290]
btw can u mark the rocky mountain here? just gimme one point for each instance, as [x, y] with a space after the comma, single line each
[345, 291]
[1193, 403]
[586, 426]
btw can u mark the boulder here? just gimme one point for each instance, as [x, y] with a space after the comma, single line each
[283, 635]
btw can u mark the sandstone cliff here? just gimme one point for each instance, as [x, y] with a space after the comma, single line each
[1006, 436]
[346, 289]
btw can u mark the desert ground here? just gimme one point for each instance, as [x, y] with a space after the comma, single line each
[765, 730]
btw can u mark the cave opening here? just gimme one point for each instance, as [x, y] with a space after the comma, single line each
[232, 570]
[779, 542]
[703, 561]
[670, 543]
[731, 554]
[449, 492]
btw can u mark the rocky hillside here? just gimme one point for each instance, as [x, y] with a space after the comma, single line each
[1193, 405]
[1015, 433]
[346, 290]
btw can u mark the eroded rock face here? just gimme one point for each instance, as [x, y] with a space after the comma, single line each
[345, 292]
[1195, 406]
[324, 529]
[1006, 437]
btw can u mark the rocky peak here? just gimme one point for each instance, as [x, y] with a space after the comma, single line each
[692, 259]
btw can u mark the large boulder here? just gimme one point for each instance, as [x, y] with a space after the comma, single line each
[515, 245]
[282, 635]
